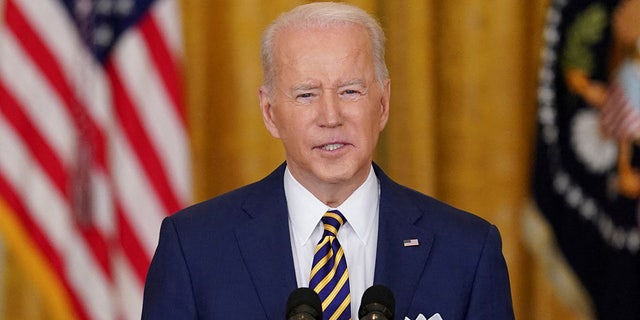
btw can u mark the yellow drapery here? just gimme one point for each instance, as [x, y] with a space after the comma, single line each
[461, 127]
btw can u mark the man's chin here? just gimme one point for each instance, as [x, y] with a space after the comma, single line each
[340, 175]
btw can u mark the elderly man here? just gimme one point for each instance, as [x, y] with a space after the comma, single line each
[328, 218]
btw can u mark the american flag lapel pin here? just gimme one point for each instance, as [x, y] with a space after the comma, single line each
[411, 243]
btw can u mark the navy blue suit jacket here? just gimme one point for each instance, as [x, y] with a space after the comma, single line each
[230, 258]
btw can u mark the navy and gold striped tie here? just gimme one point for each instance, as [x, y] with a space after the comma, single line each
[329, 275]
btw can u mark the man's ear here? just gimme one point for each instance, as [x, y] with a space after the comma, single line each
[266, 107]
[384, 103]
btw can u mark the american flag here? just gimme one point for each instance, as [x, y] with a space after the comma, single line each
[410, 242]
[93, 144]
[621, 110]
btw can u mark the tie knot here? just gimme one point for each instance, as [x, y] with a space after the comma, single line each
[332, 221]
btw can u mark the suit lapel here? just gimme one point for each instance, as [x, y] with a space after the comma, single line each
[400, 267]
[272, 271]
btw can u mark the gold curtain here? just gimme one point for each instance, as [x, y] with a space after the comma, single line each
[461, 127]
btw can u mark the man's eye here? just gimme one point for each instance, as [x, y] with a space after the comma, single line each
[305, 95]
[351, 92]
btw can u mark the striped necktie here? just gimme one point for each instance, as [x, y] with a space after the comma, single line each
[329, 275]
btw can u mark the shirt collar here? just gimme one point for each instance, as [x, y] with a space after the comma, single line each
[305, 210]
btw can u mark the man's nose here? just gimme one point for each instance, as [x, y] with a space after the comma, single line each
[329, 113]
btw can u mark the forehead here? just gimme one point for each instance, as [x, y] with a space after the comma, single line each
[324, 48]
[304, 29]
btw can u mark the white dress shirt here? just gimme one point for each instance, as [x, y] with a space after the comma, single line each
[358, 236]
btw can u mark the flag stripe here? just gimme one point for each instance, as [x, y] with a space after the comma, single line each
[133, 191]
[170, 29]
[620, 119]
[146, 154]
[130, 292]
[35, 142]
[133, 249]
[31, 90]
[162, 59]
[38, 52]
[58, 33]
[157, 117]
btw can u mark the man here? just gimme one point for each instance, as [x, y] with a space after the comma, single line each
[238, 256]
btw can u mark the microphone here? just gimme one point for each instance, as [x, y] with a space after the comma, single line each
[378, 303]
[304, 304]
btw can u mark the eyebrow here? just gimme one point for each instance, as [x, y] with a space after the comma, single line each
[352, 82]
[305, 86]
[311, 86]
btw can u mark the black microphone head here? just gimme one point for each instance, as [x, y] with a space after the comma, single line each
[304, 303]
[378, 299]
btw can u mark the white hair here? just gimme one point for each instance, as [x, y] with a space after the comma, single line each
[322, 14]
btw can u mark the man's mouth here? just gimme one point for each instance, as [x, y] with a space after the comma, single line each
[332, 146]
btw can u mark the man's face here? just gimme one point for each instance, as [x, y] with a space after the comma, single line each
[327, 106]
